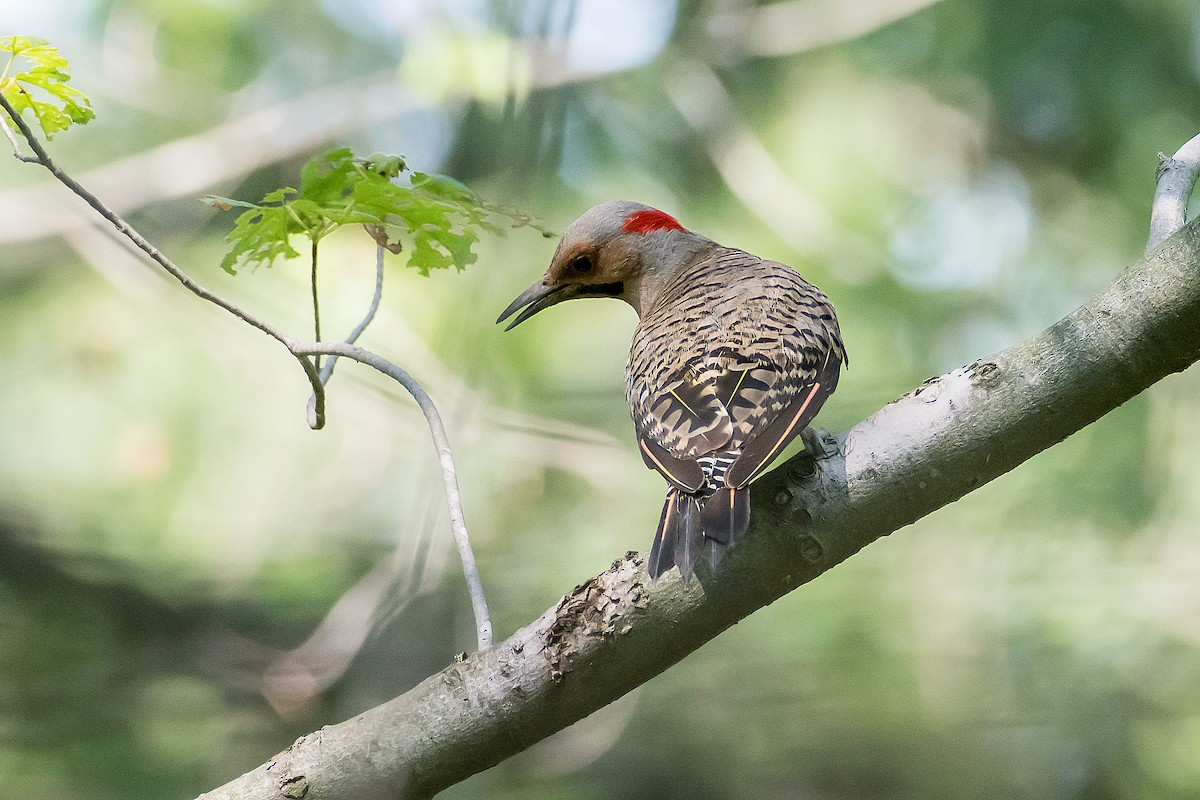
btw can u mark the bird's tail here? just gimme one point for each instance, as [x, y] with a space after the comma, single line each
[692, 526]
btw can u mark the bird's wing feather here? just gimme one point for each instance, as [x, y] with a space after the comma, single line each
[764, 444]
[684, 473]
[689, 417]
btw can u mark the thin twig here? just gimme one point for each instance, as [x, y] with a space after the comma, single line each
[441, 442]
[43, 158]
[16, 145]
[327, 369]
[1176, 177]
[316, 303]
[317, 410]
[316, 403]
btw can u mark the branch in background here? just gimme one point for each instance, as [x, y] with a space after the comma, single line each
[290, 680]
[1176, 177]
[304, 353]
[616, 631]
[755, 177]
[43, 158]
[192, 165]
[796, 26]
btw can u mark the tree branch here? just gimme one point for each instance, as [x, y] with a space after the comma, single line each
[327, 368]
[797, 26]
[43, 158]
[316, 303]
[616, 631]
[441, 442]
[1176, 177]
[16, 145]
[304, 353]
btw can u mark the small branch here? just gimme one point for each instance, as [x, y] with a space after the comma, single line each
[43, 158]
[316, 403]
[16, 145]
[316, 412]
[316, 303]
[327, 370]
[441, 442]
[1176, 177]
[303, 353]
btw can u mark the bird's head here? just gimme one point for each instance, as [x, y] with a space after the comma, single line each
[619, 249]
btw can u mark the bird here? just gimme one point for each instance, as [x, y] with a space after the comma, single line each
[732, 357]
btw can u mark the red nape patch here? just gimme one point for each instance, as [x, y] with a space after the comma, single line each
[651, 219]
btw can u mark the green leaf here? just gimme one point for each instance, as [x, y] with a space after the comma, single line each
[436, 221]
[42, 87]
[260, 236]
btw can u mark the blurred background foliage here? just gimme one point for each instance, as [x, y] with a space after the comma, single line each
[956, 175]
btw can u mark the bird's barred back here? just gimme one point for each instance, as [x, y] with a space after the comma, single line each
[727, 347]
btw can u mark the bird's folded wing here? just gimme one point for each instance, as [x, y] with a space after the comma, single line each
[803, 397]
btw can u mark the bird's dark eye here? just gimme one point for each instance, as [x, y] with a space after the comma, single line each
[581, 264]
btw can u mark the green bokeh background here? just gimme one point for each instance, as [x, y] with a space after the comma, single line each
[956, 175]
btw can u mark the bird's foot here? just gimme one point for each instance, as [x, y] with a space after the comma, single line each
[819, 443]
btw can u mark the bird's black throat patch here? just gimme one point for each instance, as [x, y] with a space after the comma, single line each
[603, 290]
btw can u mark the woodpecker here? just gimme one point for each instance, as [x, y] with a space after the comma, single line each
[732, 357]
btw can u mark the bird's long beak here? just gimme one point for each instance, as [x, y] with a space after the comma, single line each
[533, 300]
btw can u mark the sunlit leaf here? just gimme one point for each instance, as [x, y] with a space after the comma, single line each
[35, 78]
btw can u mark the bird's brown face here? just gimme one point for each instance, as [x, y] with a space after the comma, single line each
[579, 269]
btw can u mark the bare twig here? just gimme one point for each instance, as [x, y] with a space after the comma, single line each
[316, 402]
[304, 353]
[316, 302]
[441, 442]
[327, 370]
[1176, 177]
[16, 145]
[43, 158]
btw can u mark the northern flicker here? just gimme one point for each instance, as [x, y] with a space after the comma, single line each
[732, 357]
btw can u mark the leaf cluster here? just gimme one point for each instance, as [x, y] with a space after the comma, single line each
[42, 88]
[436, 219]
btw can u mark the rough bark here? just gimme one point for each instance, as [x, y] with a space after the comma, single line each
[616, 631]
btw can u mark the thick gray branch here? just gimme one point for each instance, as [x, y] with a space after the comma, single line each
[616, 631]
